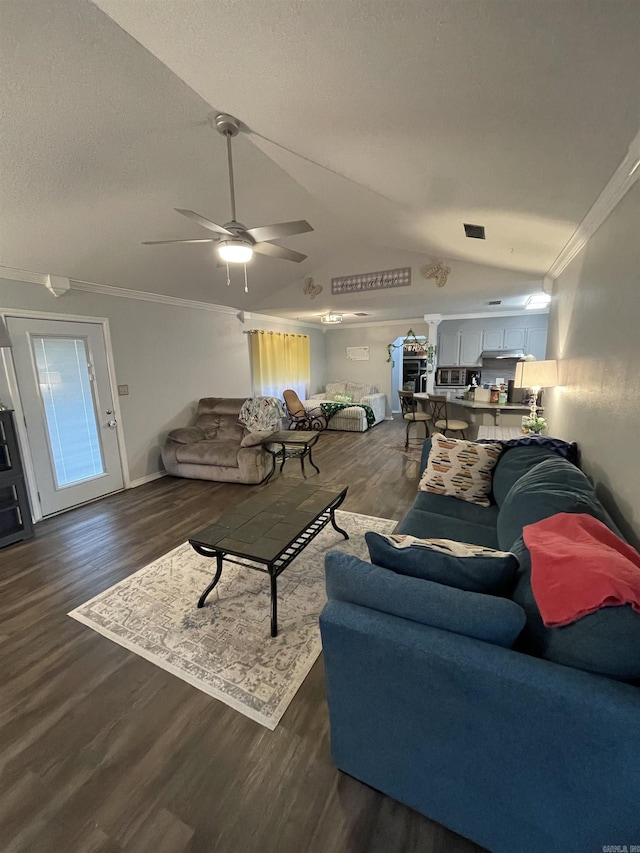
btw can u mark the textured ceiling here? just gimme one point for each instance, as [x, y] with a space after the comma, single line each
[386, 125]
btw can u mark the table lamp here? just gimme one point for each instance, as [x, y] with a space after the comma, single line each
[536, 375]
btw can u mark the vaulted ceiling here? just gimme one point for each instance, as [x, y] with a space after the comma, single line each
[386, 125]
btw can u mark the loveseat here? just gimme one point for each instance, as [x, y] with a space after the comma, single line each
[463, 705]
[352, 418]
[218, 447]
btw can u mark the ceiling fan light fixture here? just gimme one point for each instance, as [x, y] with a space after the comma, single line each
[331, 319]
[235, 251]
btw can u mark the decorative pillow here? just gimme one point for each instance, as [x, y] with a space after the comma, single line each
[460, 469]
[470, 567]
[483, 617]
[343, 398]
[257, 437]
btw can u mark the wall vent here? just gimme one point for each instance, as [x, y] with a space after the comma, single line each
[475, 231]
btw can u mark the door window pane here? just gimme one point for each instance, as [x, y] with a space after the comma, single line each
[67, 395]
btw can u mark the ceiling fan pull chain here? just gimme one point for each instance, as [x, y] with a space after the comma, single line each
[246, 286]
[228, 276]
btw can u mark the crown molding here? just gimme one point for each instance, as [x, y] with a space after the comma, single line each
[145, 296]
[484, 315]
[355, 325]
[285, 321]
[617, 187]
[13, 274]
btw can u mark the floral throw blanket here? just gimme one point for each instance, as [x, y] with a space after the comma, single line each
[331, 409]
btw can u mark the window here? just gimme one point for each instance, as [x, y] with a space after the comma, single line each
[279, 361]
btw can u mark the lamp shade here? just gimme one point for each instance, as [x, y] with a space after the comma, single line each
[5, 340]
[536, 374]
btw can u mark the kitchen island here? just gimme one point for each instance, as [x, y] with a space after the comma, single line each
[481, 414]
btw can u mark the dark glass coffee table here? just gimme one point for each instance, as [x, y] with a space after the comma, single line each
[269, 530]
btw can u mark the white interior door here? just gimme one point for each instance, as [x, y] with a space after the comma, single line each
[63, 378]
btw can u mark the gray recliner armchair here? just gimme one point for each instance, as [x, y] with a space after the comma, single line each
[217, 447]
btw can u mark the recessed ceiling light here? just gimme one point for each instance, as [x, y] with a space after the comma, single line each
[538, 300]
[474, 231]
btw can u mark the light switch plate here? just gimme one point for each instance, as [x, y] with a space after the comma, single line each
[123, 390]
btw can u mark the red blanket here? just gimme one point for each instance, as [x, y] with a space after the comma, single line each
[577, 566]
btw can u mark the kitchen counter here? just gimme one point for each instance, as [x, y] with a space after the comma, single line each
[487, 414]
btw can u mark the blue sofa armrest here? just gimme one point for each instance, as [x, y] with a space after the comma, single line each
[483, 617]
[516, 753]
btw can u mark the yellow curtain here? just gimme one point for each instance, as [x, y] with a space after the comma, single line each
[280, 361]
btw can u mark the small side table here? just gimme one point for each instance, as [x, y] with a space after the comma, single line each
[292, 443]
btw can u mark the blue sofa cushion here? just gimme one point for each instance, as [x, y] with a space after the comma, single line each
[552, 486]
[423, 524]
[513, 463]
[606, 642]
[450, 562]
[454, 508]
[482, 617]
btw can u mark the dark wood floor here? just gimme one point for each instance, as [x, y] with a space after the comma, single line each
[102, 751]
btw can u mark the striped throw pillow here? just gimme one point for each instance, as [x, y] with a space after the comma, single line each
[460, 469]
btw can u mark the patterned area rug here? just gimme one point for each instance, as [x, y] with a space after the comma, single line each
[224, 649]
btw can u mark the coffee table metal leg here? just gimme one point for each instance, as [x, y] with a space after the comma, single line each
[312, 462]
[332, 516]
[274, 604]
[215, 580]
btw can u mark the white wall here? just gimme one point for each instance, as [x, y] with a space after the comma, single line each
[168, 355]
[377, 370]
[594, 326]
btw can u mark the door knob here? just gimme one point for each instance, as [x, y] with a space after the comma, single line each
[111, 424]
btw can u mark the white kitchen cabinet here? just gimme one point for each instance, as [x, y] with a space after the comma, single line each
[492, 339]
[536, 343]
[448, 349]
[470, 349]
[514, 339]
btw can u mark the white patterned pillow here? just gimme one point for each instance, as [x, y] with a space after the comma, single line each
[334, 388]
[360, 390]
[460, 469]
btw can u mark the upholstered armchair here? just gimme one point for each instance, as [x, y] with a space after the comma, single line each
[218, 447]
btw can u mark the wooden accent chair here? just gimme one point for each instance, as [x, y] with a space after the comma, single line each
[299, 417]
[412, 414]
[440, 416]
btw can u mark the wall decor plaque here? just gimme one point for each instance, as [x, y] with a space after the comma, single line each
[371, 281]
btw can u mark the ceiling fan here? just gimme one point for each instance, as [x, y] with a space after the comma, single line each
[236, 242]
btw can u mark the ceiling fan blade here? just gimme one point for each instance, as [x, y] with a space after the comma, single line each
[278, 252]
[277, 232]
[157, 242]
[206, 223]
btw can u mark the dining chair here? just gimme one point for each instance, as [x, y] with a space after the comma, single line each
[412, 414]
[440, 415]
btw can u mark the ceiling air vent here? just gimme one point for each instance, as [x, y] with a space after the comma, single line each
[495, 302]
[360, 314]
[475, 231]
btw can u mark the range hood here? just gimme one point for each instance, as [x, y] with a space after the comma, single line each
[502, 353]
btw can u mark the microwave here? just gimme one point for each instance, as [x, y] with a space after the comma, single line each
[455, 377]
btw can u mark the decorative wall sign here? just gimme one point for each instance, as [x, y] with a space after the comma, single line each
[358, 353]
[371, 281]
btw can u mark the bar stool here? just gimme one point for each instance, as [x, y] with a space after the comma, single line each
[412, 415]
[440, 416]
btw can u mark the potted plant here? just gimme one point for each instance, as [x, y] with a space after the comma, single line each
[534, 424]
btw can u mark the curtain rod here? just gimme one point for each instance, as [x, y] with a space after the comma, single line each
[265, 332]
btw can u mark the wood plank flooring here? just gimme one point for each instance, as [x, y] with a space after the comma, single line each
[102, 752]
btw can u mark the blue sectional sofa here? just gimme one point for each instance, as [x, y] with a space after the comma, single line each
[463, 705]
